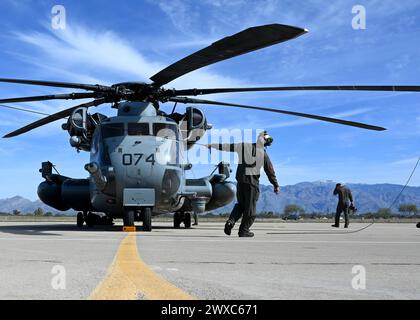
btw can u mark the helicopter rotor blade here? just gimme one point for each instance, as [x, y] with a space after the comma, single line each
[245, 41]
[53, 117]
[305, 115]
[90, 87]
[65, 96]
[196, 92]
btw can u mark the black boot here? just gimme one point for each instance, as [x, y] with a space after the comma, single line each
[228, 227]
[335, 225]
[243, 234]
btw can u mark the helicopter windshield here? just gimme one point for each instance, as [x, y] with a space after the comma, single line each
[110, 130]
[168, 152]
[165, 130]
[138, 129]
[99, 152]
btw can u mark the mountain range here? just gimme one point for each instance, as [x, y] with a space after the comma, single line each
[318, 197]
[24, 205]
[311, 196]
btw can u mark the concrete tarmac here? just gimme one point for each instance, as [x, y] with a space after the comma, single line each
[282, 261]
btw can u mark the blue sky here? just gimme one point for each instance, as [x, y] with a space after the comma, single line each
[110, 42]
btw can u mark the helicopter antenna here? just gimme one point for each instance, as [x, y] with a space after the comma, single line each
[173, 109]
[22, 109]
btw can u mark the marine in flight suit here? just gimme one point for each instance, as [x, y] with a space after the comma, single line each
[252, 157]
[345, 200]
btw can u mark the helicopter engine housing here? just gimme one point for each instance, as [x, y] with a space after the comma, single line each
[63, 193]
[195, 126]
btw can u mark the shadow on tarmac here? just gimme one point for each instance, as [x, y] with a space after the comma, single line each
[51, 229]
[56, 229]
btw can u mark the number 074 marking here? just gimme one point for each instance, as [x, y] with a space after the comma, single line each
[129, 159]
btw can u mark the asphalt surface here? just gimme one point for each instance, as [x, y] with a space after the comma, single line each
[283, 261]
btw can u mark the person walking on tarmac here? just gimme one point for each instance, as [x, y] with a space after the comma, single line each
[345, 201]
[252, 157]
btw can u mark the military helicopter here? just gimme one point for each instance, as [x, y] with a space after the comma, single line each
[135, 169]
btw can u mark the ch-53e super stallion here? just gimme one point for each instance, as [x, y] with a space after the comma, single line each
[136, 169]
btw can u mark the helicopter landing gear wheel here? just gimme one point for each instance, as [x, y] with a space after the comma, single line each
[80, 220]
[177, 220]
[147, 219]
[90, 220]
[107, 221]
[187, 220]
[128, 218]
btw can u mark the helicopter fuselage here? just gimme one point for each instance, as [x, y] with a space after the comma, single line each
[138, 158]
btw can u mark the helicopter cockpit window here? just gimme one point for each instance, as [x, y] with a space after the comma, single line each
[165, 130]
[168, 151]
[95, 142]
[138, 129]
[99, 152]
[110, 130]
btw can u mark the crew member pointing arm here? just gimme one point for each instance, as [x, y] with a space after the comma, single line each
[252, 156]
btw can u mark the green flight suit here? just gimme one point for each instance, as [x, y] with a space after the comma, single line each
[345, 198]
[251, 159]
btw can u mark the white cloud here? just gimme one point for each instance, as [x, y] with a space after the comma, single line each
[408, 161]
[88, 50]
[181, 14]
[80, 52]
[7, 123]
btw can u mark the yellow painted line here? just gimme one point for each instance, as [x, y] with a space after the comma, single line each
[129, 278]
[129, 229]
